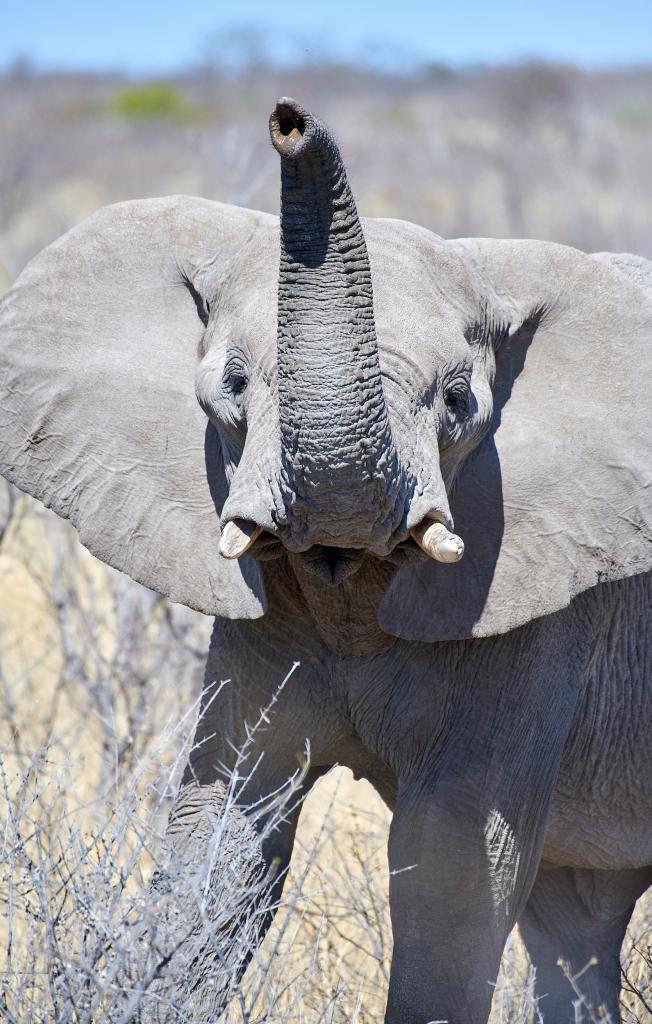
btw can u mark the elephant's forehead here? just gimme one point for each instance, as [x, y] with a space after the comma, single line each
[418, 281]
[247, 293]
[253, 273]
[418, 278]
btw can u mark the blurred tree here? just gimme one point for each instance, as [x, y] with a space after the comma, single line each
[152, 100]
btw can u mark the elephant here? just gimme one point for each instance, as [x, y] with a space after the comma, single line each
[300, 430]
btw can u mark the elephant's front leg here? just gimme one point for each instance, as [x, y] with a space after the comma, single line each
[469, 824]
[459, 873]
[219, 883]
[231, 831]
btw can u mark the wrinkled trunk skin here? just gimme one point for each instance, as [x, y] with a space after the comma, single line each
[341, 467]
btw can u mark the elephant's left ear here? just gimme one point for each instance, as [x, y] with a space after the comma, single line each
[558, 497]
[98, 417]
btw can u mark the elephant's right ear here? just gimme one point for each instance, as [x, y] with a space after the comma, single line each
[558, 496]
[99, 420]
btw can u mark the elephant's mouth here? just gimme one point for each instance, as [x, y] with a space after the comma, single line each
[333, 564]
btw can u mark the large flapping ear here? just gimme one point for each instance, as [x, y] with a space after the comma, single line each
[558, 497]
[98, 415]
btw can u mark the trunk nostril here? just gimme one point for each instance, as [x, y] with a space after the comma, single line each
[287, 127]
[289, 120]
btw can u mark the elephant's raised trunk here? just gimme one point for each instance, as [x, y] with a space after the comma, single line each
[341, 465]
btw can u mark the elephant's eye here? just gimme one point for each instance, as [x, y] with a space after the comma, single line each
[458, 400]
[236, 383]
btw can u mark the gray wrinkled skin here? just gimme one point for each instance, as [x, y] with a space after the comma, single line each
[502, 706]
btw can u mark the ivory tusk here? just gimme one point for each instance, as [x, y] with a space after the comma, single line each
[236, 540]
[438, 542]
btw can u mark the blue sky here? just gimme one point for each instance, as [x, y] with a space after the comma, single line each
[143, 36]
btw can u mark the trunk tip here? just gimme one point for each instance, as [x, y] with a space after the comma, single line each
[289, 127]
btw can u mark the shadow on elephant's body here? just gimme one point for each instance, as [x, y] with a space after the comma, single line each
[477, 506]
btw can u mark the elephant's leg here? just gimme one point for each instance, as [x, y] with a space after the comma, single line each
[215, 895]
[457, 878]
[246, 858]
[579, 917]
[489, 727]
[231, 831]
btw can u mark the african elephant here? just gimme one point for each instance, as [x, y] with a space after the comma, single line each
[303, 453]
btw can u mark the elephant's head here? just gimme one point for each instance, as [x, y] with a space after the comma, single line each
[345, 396]
[332, 429]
